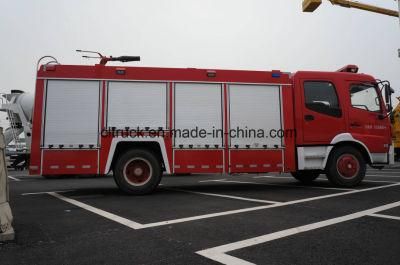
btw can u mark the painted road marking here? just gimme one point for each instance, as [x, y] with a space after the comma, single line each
[369, 181]
[98, 211]
[218, 254]
[325, 179]
[225, 196]
[199, 217]
[14, 178]
[45, 192]
[384, 170]
[211, 180]
[136, 225]
[378, 181]
[283, 185]
[272, 177]
[385, 216]
[383, 176]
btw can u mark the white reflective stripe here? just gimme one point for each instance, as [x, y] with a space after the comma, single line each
[239, 166]
[86, 166]
[219, 166]
[54, 167]
[190, 166]
[205, 166]
[70, 166]
[253, 166]
[34, 167]
[279, 165]
[177, 166]
[266, 165]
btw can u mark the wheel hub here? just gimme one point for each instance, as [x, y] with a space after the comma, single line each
[137, 172]
[348, 166]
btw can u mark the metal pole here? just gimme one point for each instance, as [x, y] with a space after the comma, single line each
[366, 7]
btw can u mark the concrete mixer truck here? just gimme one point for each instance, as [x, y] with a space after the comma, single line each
[18, 108]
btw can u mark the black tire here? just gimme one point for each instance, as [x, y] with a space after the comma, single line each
[306, 176]
[137, 172]
[346, 167]
[397, 154]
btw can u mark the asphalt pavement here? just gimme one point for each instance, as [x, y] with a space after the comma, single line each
[205, 219]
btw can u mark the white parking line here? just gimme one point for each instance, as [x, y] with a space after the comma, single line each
[218, 254]
[211, 180]
[369, 181]
[383, 176]
[283, 185]
[385, 216]
[322, 178]
[385, 170]
[378, 181]
[44, 192]
[136, 225]
[272, 177]
[225, 196]
[98, 211]
[14, 178]
[257, 208]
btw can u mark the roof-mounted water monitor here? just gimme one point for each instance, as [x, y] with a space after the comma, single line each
[105, 59]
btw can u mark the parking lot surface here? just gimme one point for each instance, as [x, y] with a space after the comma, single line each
[205, 219]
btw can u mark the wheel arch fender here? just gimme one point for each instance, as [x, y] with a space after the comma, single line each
[144, 141]
[346, 139]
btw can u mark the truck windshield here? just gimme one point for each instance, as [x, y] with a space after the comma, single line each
[364, 96]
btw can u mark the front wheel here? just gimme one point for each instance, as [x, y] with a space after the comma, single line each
[306, 176]
[137, 172]
[346, 167]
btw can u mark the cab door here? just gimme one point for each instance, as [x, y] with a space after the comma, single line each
[367, 121]
[322, 113]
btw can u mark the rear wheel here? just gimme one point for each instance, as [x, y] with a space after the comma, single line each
[137, 172]
[306, 176]
[346, 167]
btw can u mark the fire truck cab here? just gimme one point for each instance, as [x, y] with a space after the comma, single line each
[142, 122]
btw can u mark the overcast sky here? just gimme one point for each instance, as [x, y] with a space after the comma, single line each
[232, 34]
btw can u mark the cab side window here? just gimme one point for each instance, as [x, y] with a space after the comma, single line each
[365, 97]
[321, 97]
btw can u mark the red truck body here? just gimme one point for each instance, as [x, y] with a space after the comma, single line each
[87, 117]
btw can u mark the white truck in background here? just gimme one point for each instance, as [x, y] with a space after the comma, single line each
[18, 107]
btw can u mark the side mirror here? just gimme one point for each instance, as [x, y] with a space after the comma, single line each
[387, 93]
[388, 97]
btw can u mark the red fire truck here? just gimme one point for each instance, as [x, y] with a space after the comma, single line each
[142, 122]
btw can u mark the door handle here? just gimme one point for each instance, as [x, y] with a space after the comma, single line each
[309, 117]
